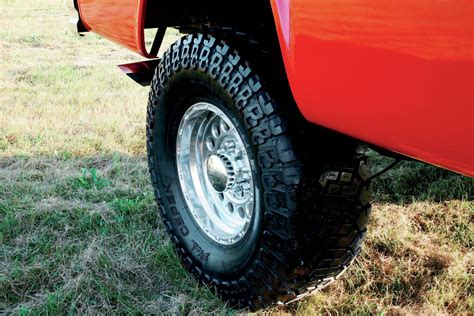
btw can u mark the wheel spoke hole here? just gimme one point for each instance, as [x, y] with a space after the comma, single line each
[216, 131]
[221, 196]
[224, 126]
[211, 143]
[231, 207]
[241, 212]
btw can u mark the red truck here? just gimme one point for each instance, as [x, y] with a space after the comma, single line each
[255, 115]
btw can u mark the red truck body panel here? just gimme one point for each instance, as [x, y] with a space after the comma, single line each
[396, 74]
[121, 21]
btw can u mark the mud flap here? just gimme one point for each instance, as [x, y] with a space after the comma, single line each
[141, 72]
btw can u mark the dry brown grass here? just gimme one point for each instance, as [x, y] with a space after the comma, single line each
[417, 259]
[79, 230]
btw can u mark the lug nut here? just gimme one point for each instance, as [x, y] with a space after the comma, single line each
[229, 144]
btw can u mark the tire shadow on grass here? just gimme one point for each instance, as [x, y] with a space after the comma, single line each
[83, 235]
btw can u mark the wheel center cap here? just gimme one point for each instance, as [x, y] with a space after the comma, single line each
[217, 173]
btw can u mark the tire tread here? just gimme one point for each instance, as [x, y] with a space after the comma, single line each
[313, 222]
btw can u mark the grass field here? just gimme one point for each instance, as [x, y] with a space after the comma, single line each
[79, 229]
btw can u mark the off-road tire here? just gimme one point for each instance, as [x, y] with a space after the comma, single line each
[314, 204]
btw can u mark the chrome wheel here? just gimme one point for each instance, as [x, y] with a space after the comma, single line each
[215, 173]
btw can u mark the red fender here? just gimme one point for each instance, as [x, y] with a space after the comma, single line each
[121, 21]
[397, 74]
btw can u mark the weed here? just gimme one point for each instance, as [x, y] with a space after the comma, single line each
[90, 180]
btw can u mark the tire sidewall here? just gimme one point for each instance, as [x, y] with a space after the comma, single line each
[211, 256]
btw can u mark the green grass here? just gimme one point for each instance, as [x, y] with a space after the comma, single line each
[90, 180]
[418, 181]
[88, 243]
[79, 228]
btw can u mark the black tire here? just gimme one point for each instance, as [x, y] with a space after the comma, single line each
[312, 213]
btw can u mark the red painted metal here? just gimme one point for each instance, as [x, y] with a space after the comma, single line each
[121, 21]
[397, 74]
